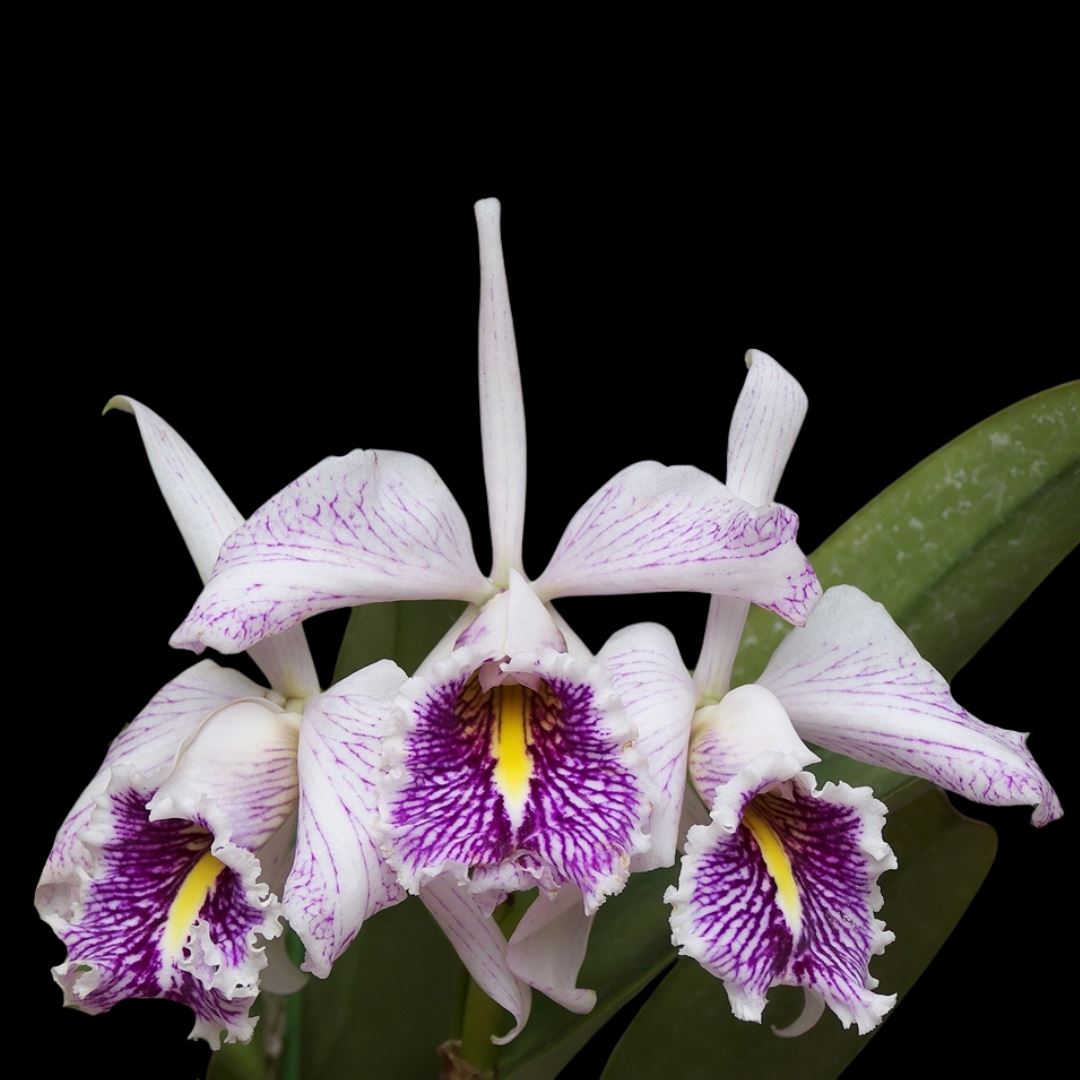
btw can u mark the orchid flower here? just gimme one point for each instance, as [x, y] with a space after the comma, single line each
[780, 887]
[519, 759]
[164, 876]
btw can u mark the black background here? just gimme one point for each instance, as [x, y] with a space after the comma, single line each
[279, 296]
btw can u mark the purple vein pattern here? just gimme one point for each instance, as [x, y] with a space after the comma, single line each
[583, 809]
[339, 876]
[653, 528]
[148, 744]
[117, 946]
[730, 915]
[852, 681]
[370, 526]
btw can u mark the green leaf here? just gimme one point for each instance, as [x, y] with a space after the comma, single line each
[686, 1029]
[630, 945]
[396, 995]
[405, 631]
[236, 1061]
[957, 544]
[398, 992]
[952, 548]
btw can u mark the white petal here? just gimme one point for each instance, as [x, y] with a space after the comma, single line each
[652, 528]
[514, 621]
[547, 948]
[764, 426]
[370, 526]
[148, 745]
[502, 411]
[746, 733]
[766, 421]
[854, 682]
[339, 876]
[237, 775]
[658, 695]
[205, 516]
[480, 945]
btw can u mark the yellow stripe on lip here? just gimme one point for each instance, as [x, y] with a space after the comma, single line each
[778, 866]
[188, 902]
[510, 747]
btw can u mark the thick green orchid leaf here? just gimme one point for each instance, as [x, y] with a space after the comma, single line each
[405, 632]
[958, 543]
[686, 1029]
[396, 995]
[630, 945]
[952, 548]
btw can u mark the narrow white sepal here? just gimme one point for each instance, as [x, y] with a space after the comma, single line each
[502, 410]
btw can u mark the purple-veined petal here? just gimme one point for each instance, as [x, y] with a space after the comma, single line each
[764, 426]
[530, 782]
[749, 734]
[658, 695]
[164, 910]
[654, 528]
[481, 946]
[239, 770]
[781, 890]
[205, 516]
[513, 621]
[373, 525]
[852, 681]
[547, 948]
[339, 877]
[502, 411]
[148, 744]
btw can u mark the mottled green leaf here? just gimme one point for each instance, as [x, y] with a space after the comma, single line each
[686, 1029]
[957, 544]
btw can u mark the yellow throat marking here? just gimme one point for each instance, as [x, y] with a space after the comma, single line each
[778, 866]
[509, 747]
[184, 909]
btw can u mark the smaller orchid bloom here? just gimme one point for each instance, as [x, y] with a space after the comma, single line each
[164, 878]
[519, 759]
[780, 887]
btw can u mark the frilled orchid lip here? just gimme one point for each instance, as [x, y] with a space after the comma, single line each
[165, 909]
[514, 768]
[781, 887]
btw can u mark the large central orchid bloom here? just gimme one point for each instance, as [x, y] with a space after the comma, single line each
[780, 888]
[164, 877]
[519, 759]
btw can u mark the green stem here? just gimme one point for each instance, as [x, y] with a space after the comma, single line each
[290, 1054]
[483, 1017]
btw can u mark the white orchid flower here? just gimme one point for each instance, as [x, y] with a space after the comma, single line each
[519, 758]
[780, 888]
[163, 879]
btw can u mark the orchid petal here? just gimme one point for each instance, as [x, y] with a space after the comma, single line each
[658, 695]
[854, 682]
[654, 528]
[370, 526]
[339, 878]
[481, 946]
[748, 733]
[237, 773]
[205, 516]
[781, 889]
[502, 411]
[764, 426]
[148, 744]
[165, 910]
[512, 622]
[547, 948]
[530, 782]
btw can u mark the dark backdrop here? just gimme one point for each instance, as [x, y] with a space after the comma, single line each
[277, 303]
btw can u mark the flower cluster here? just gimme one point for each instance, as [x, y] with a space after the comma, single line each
[513, 758]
